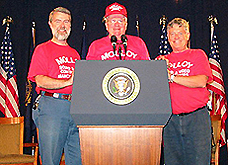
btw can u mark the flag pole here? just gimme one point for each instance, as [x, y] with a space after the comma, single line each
[83, 44]
[137, 25]
[213, 20]
[28, 94]
[217, 86]
[33, 34]
[213, 100]
[84, 24]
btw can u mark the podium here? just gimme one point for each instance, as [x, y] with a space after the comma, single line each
[120, 108]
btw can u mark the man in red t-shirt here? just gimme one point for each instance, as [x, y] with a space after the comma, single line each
[187, 136]
[52, 69]
[117, 45]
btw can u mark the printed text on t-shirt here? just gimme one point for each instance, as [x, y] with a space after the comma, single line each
[64, 68]
[181, 68]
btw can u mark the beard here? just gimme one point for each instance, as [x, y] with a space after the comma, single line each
[62, 36]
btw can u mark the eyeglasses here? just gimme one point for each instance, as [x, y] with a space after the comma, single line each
[116, 20]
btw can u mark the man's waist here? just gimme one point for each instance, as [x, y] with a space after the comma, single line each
[57, 95]
[66, 90]
[184, 114]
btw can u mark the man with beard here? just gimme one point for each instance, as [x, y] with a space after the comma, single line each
[52, 68]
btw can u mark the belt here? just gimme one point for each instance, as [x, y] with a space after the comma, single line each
[184, 114]
[57, 95]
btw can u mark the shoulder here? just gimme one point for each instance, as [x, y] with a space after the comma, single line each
[198, 55]
[197, 51]
[44, 44]
[71, 48]
[100, 41]
[135, 40]
[130, 37]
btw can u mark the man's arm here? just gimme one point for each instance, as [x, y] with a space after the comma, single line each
[197, 81]
[52, 83]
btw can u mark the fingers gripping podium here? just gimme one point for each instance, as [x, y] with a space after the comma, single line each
[121, 108]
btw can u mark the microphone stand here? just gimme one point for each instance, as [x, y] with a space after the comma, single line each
[119, 51]
[113, 41]
[124, 41]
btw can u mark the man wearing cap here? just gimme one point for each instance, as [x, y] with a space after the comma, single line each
[52, 69]
[117, 45]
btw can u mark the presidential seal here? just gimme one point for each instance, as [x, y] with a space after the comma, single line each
[121, 86]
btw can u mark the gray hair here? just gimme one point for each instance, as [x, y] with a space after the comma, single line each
[59, 9]
[179, 21]
[105, 19]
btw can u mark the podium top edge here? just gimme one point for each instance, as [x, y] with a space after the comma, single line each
[120, 126]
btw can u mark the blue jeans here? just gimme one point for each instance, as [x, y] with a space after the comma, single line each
[187, 139]
[57, 131]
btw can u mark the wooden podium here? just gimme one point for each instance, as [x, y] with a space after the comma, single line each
[112, 134]
[120, 145]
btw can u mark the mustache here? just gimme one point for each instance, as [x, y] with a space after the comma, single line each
[62, 28]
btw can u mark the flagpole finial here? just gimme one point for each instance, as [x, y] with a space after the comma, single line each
[33, 24]
[84, 24]
[213, 19]
[137, 20]
[7, 20]
[137, 24]
[163, 20]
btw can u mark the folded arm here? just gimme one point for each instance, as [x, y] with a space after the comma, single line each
[197, 81]
[52, 83]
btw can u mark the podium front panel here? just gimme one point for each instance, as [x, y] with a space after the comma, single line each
[90, 106]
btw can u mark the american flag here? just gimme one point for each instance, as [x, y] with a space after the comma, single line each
[9, 101]
[164, 47]
[219, 102]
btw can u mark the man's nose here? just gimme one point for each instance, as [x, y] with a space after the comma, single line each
[62, 24]
[176, 36]
[117, 23]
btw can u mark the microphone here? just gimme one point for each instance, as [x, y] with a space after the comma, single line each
[124, 42]
[113, 41]
[120, 53]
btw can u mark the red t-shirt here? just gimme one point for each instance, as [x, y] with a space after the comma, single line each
[102, 49]
[188, 63]
[55, 61]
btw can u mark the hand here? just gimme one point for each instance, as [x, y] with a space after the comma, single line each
[71, 79]
[163, 57]
[169, 74]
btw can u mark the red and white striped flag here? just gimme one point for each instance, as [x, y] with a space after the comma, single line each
[9, 100]
[219, 102]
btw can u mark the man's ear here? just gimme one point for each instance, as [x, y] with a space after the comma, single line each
[106, 26]
[49, 23]
[168, 36]
[126, 26]
[188, 36]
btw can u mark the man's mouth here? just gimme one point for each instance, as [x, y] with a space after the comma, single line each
[62, 30]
